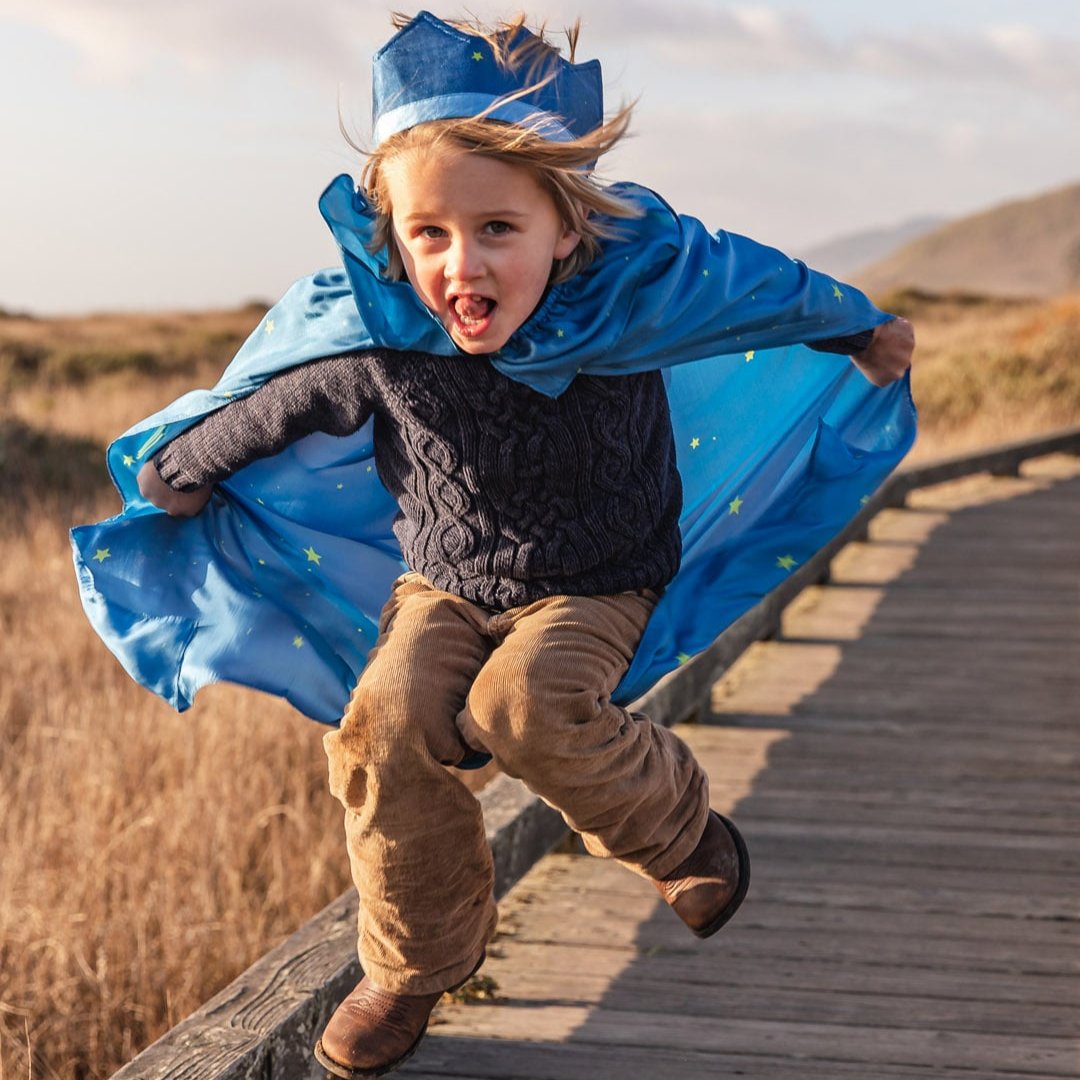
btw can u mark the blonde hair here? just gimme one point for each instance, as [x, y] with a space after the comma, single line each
[563, 169]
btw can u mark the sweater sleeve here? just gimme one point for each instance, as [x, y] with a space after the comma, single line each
[333, 395]
[844, 346]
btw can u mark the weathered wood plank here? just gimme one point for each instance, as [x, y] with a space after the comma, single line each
[1055, 729]
[825, 748]
[562, 922]
[525, 1059]
[809, 971]
[869, 1046]
[931, 847]
[841, 613]
[1015, 819]
[665, 991]
[836, 845]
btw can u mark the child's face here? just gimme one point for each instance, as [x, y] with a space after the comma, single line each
[477, 237]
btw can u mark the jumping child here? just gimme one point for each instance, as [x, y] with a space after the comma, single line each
[538, 496]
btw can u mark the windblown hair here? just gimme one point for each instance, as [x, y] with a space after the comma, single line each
[563, 169]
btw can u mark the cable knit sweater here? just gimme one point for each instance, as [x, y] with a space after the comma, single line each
[505, 495]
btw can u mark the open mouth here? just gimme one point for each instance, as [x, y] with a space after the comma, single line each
[472, 313]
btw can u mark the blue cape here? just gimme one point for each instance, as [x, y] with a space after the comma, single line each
[279, 582]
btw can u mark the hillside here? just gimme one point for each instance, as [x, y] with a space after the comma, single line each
[845, 256]
[1027, 248]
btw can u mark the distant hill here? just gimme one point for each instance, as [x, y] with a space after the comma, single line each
[1026, 248]
[846, 255]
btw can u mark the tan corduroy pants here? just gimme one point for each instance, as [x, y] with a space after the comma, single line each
[532, 687]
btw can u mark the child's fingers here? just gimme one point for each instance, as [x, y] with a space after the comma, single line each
[888, 355]
[174, 503]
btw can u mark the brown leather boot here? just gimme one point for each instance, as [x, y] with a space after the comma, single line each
[373, 1031]
[708, 886]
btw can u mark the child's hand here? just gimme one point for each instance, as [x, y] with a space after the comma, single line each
[888, 355]
[174, 503]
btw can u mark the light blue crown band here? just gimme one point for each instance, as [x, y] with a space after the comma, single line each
[462, 105]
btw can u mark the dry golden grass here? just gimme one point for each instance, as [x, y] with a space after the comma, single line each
[53, 352]
[990, 371]
[147, 857]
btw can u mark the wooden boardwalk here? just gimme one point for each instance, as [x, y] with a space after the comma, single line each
[904, 764]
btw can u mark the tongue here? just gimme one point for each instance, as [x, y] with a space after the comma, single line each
[473, 307]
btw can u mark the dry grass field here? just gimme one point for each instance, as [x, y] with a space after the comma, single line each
[987, 371]
[147, 857]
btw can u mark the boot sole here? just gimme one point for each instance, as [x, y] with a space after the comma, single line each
[735, 902]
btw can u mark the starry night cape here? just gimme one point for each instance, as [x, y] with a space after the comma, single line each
[278, 583]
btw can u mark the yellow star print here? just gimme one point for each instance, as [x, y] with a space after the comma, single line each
[102, 554]
[735, 505]
[478, 55]
[695, 443]
[298, 642]
[269, 326]
[704, 273]
[838, 292]
[312, 555]
[749, 354]
[153, 440]
[560, 333]
[129, 460]
[786, 562]
[682, 657]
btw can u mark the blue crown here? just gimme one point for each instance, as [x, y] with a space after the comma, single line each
[431, 71]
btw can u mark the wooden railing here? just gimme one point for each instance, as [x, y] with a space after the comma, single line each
[262, 1025]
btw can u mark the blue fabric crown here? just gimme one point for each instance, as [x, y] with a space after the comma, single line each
[431, 71]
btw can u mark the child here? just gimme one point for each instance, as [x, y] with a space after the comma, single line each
[537, 491]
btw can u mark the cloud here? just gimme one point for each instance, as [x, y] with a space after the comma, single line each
[741, 40]
[795, 181]
[119, 39]
[1017, 56]
[704, 34]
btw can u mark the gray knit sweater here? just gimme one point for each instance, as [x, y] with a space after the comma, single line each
[505, 495]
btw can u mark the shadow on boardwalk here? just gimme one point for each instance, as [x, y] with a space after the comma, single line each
[903, 764]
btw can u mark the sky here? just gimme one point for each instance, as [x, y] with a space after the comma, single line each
[164, 155]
